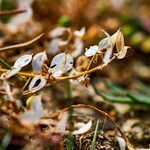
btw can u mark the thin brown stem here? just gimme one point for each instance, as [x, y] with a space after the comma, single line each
[55, 114]
[88, 67]
[26, 84]
[27, 74]
[30, 74]
[11, 12]
[22, 44]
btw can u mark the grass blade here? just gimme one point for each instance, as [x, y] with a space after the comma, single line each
[6, 140]
[95, 135]
[70, 138]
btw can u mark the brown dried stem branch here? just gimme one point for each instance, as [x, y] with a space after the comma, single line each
[11, 12]
[22, 44]
[30, 74]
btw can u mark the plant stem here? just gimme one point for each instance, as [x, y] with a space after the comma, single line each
[30, 74]
[21, 45]
[69, 140]
[11, 12]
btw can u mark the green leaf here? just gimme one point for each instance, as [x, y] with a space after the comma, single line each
[113, 98]
[143, 88]
[117, 99]
[116, 89]
[140, 98]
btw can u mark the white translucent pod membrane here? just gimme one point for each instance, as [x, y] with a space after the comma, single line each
[104, 44]
[23, 61]
[36, 105]
[80, 33]
[37, 83]
[56, 32]
[13, 71]
[78, 44]
[53, 47]
[9, 93]
[34, 113]
[107, 56]
[122, 143]
[38, 61]
[84, 128]
[68, 63]
[60, 64]
[91, 51]
[57, 74]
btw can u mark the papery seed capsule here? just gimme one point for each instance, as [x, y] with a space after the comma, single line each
[38, 61]
[37, 80]
[60, 64]
[23, 61]
[12, 72]
[91, 51]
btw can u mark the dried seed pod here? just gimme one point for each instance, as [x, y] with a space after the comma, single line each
[91, 51]
[56, 32]
[120, 41]
[35, 113]
[78, 44]
[57, 74]
[23, 61]
[114, 37]
[86, 127]
[122, 143]
[60, 64]
[36, 105]
[10, 73]
[80, 33]
[104, 44]
[107, 56]
[82, 62]
[68, 63]
[37, 80]
[122, 53]
[38, 61]
[54, 46]
[108, 53]
[9, 93]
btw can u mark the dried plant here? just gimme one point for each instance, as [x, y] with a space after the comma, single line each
[67, 65]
